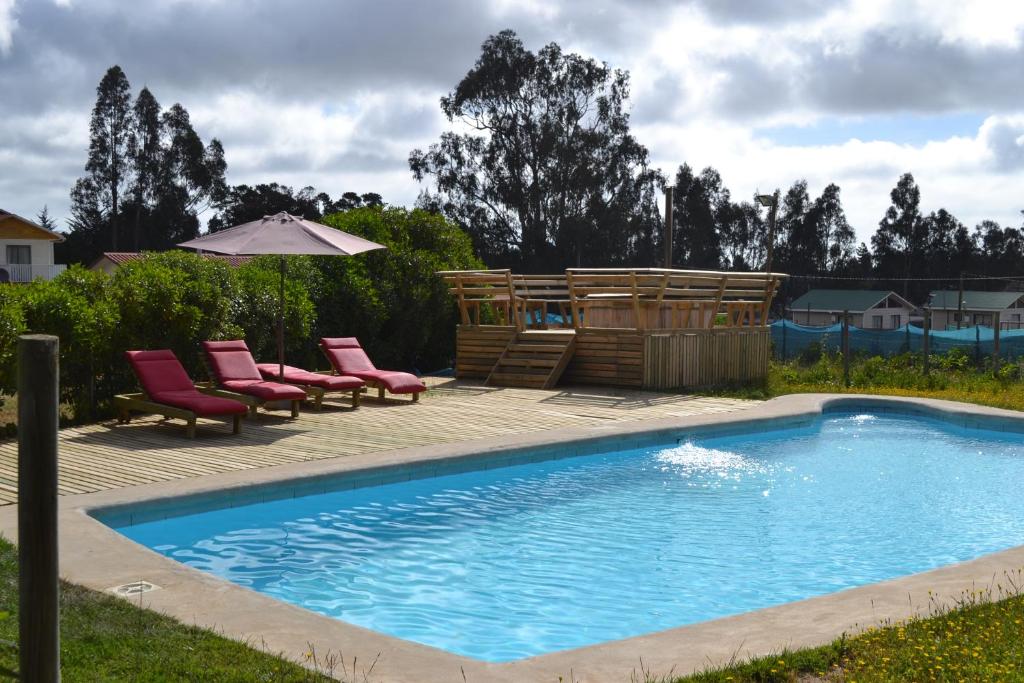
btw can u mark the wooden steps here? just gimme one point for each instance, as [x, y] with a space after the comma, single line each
[534, 359]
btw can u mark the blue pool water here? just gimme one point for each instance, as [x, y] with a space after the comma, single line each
[507, 563]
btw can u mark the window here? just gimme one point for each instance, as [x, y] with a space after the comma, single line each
[19, 254]
[896, 320]
[876, 322]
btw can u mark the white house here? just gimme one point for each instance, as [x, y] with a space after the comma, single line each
[26, 250]
[978, 308]
[869, 309]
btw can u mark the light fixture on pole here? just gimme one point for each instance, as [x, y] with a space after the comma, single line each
[771, 201]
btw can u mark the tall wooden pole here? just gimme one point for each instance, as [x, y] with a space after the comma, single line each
[667, 237]
[280, 327]
[995, 341]
[960, 302]
[926, 340]
[38, 402]
[846, 348]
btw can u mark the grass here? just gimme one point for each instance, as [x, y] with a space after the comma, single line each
[107, 638]
[952, 377]
[980, 637]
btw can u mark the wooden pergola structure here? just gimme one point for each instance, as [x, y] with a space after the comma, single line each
[645, 327]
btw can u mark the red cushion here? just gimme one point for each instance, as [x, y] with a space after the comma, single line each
[199, 403]
[230, 360]
[346, 355]
[395, 382]
[159, 371]
[266, 391]
[313, 379]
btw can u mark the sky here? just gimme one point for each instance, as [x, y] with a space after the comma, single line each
[336, 93]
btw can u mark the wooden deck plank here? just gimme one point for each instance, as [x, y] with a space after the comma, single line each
[107, 456]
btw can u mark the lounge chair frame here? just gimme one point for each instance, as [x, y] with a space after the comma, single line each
[124, 404]
[252, 401]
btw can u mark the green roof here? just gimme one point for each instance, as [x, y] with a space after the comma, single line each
[853, 300]
[973, 300]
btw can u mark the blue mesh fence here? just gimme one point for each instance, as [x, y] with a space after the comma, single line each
[790, 340]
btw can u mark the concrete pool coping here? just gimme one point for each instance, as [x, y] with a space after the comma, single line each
[98, 557]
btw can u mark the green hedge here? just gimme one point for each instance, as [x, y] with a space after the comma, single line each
[391, 299]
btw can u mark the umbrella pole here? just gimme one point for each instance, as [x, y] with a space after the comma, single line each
[280, 328]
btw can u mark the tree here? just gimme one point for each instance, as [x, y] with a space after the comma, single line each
[744, 237]
[699, 202]
[146, 164]
[107, 167]
[549, 174]
[146, 155]
[798, 243]
[244, 203]
[836, 235]
[1000, 249]
[45, 220]
[899, 243]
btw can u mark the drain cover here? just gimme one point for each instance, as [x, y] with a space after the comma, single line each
[132, 589]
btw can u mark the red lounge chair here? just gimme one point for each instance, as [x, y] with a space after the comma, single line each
[315, 384]
[348, 358]
[233, 369]
[168, 391]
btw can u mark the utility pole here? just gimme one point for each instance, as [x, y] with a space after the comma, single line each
[960, 302]
[667, 236]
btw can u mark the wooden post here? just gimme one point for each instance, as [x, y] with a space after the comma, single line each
[995, 341]
[927, 334]
[846, 348]
[667, 237]
[959, 303]
[785, 324]
[38, 402]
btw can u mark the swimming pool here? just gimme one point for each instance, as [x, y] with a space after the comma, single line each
[506, 563]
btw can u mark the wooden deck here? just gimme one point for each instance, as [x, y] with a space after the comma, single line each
[108, 455]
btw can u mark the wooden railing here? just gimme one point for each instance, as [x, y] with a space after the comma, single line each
[616, 298]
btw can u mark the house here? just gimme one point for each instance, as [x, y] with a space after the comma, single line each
[870, 309]
[26, 250]
[110, 261]
[979, 308]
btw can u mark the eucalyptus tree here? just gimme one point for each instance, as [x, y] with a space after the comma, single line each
[108, 165]
[541, 169]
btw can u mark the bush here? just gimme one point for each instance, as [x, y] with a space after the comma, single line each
[77, 308]
[254, 308]
[392, 298]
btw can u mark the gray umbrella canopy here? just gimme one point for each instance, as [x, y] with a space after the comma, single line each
[282, 234]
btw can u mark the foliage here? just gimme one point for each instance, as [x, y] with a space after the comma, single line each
[106, 638]
[392, 299]
[550, 174]
[148, 176]
[12, 323]
[76, 307]
[256, 304]
[244, 203]
[978, 636]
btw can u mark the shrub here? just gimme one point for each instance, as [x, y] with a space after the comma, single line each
[254, 308]
[392, 298]
[75, 307]
[174, 300]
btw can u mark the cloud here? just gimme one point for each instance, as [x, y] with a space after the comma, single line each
[335, 95]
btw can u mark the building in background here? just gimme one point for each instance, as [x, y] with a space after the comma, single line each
[869, 309]
[979, 308]
[26, 250]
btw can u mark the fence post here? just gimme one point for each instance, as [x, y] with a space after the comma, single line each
[784, 326]
[908, 338]
[977, 345]
[927, 334]
[38, 401]
[995, 342]
[846, 348]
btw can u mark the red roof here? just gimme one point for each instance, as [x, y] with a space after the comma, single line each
[120, 258]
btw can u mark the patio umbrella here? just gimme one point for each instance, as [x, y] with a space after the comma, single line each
[282, 234]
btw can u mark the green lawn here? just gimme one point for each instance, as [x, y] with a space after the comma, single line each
[981, 639]
[105, 638]
[952, 377]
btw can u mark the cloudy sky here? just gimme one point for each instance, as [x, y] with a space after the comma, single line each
[335, 93]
